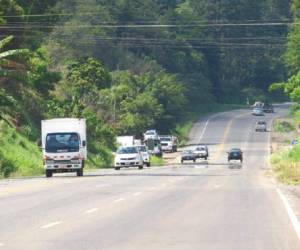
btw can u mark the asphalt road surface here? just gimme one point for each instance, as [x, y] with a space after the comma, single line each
[202, 205]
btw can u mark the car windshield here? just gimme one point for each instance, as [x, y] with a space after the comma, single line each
[127, 150]
[261, 122]
[200, 148]
[62, 142]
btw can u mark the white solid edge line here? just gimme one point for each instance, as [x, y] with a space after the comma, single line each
[290, 212]
[92, 210]
[51, 224]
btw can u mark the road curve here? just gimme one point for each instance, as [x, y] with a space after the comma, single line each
[205, 205]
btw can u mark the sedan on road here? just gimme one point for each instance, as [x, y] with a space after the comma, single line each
[201, 151]
[128, 157]
[261, 126]
[235, 154]
[188, 155]
[258, 112]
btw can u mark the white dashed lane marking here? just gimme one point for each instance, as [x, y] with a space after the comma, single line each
[53, 224]
[92, 210]
[137, 194]
[119, 200]
[102, 185]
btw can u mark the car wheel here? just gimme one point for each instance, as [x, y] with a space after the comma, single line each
[79, 172]
[194, 160]
[181, 161]
[48, 173]
[148, 164]
[141, 167]
[117, 168]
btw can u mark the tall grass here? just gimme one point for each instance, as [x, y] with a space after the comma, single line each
[286, 165]
[18, 156]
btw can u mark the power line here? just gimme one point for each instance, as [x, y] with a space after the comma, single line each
[153, 25]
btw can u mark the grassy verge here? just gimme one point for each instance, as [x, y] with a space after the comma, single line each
[183, 128]
[18, 156]
[286, 165]
[285, 159]
[156, 161]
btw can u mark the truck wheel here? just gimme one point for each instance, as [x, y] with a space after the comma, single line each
[48, 173]
[79, 172]
[148, 164]
[194, 160]
[141, 167]
[117, 168]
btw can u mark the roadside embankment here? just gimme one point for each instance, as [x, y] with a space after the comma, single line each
[285, 158]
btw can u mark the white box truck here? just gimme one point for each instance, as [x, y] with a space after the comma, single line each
[125, 141]
[64, 145]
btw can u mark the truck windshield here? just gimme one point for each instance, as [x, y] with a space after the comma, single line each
[165, 138]
[62, 142]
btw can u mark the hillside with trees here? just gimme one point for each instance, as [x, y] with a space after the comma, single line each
[130, 65]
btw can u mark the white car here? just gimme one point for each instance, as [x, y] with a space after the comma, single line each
[151, 134]
[201, 151]
[261, 126]
[168, 143]
[258, 111]
[145, 154]
[128, 157]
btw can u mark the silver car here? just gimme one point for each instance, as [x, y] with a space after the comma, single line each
[258, 111]
[261, 126]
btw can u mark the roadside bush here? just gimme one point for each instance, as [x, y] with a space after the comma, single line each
[283, 127]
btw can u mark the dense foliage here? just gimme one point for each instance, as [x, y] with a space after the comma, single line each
[129, 65]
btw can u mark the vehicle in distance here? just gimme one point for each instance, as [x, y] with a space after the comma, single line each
[125, 141]
[128, 157]
[258, 111]
[235, 154]
[154, 147]
[188, 155]
[168, 143]
[261, 126]
[268, 108]
[201, 151]
[64, 145]
[145, 154]
[151, 134]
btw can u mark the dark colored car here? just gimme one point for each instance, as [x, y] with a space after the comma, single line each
[188, 155]
[235, 154]
[268, 108]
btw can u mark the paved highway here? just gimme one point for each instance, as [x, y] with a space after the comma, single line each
[205, 205]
